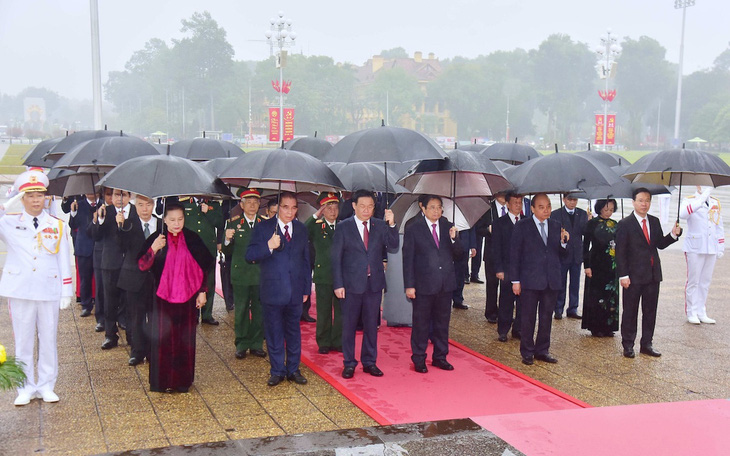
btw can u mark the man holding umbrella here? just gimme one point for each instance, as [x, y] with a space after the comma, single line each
[573, 219]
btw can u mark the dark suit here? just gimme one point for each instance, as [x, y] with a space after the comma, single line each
[639, 260]
[571, 263]
[536, 266]
[285, 279]
[138, 285]
[430, 270]
[351, 262]
[461, 267]
[482, 227]
[84, 249]
[501, 241]
[98, 277]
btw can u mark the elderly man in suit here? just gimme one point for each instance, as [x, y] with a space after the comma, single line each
[501, 245]
[137, 285]
[573, 220]
[430, 248]
[281, 247]
[538, 243]
[638, 237]
[358, 277]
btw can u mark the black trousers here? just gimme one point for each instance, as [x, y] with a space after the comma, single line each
[139, 310]
[225, 268]
[430, 312]
[538, 304]
[492, 285]
[99, 296]
[476, 261]
[86, 277]
[113, 302]
[507, 315]
[648, 294]
[461, 269]
[352, 308]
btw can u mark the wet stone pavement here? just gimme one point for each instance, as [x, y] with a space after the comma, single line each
[106, 406]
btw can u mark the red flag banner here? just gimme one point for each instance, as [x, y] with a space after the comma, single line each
[599, 129]
[611, 129]
[288, 124]
[274, 124]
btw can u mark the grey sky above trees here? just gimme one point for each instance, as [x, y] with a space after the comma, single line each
[46, 42]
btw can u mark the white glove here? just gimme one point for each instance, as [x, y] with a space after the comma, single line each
[706, 194]
[720, 254]
[65, 302]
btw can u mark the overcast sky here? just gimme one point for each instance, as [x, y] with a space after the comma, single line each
[46, 43]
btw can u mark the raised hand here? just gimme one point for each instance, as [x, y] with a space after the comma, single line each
[274, 242]
[159, 243]
[389, 217]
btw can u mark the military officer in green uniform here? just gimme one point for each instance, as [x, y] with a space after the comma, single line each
[248, 316]
[321, 228]
[205, 217]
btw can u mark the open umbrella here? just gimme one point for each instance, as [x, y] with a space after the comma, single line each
[204, 149]
[607, 158]
[512, 153]
[367, 176]
[680, 167]
[157, 176]
[74, 139]
[218, 165]
[471, 147]
[38, 156]
[103, 154]
[467, 211]
[316, 147]
[64, 182]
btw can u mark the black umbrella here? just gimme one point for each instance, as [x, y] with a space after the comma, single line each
[367, 176]
[560, 173]
[512, 153]
[467, 211]
[281, 169]
[218, 165]
[472, 147]
[64, 182]
[103, 154]
[157, 176]
[204, 149]
[316, 147]
[680, 167]
[74, 139]
[38, 156]
[607, 158]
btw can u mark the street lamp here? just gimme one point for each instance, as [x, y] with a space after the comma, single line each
[684, 4]
[280, 35]
[608, 50]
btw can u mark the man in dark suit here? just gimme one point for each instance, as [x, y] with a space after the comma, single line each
[573, 220]
[106, 229]
[638, 237]
[137, 285]
[484, 228]
[461, 267]
[281, 247]
[430, 247]
[501, 241]
[358, 277]
[82, 209]
[538, 244]
[105, 199]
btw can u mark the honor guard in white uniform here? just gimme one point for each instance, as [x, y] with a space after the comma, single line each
[36, 280]
[704, 244]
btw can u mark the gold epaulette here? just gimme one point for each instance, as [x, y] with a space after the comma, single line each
[183, 198]
[319, 221]
[234, 218]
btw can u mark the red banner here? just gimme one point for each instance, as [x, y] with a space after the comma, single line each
[611, 129]
[274, 124]
[599, 129]
[288, 124]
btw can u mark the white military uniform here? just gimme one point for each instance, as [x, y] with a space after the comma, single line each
[36, 275]
[703, 244]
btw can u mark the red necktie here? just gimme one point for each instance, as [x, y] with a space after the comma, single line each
[646, 235]
[366, 239]
[435, 235]
[286, 233]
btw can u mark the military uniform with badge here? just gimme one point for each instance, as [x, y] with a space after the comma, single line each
[321, 230]
[204, 218]
[248, 314]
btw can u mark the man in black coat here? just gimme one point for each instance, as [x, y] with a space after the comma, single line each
[501, 242]
[138, 285]
[430, 247]
[538, 244]
[82, 209]
[638, 237]
[573, 220]
[484, 228]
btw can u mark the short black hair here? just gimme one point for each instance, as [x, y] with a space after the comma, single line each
[639, 190]
[427, 199]
[272, 202]
[287, 195]
[172, 205]
[363, 194]
[509, 194]
[601, 203]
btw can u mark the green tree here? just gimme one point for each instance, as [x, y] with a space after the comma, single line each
[394, 53]
[394, 94]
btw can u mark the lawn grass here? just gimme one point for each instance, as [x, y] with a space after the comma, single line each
[12, 161]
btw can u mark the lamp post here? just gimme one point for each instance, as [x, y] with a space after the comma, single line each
[280, 35]
[607, 51]
[684, 4]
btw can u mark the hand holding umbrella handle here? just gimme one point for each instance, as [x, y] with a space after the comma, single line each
[677, 230]
[275, 242]
[389, 217]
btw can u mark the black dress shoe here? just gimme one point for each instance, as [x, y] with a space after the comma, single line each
[547, 358]
[460, 305]
[650, 351]
[297, 378]
[307, 318]
[420, 368]
[100, 327]
[336, 349]
[275, 380]
[109, 343]
[348, 372]
[122, 326]
[629, 353]
[258, 352]
[133, 361]
[372, 370]
[502, 338]
[492, 320]
[85, 313]
[528, 361]
[240, 354]
[597, 334]
[467, 281]
[516, 335]
[442, 364]
[323, 350]
[476, 280]
[575, 316]
[558, 316]
[210, 321]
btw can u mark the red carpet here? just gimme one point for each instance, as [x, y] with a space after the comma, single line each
[675, 428]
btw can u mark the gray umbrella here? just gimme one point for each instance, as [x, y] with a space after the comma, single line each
[467, 211]
[103, 154]
[204, 149]
[38, 156]
[316, 147]
[74, 139]
[607, 158]
[367, 176]
[218, 165]
[511, 153]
